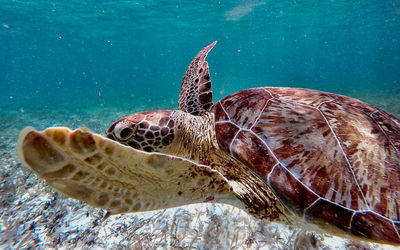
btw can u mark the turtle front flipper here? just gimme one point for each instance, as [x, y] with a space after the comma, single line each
[196, 95]
[114, 177]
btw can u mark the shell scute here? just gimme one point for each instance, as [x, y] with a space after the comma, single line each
[331, 212]
[397, 226]
[371, 225]
[249, 149]
[290, 190]
[219, 112]
[243, 109]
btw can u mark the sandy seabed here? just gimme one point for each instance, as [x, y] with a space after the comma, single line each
[32, 215]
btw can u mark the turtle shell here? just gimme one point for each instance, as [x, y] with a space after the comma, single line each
[329, 158]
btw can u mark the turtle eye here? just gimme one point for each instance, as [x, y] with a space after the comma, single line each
[127, 132]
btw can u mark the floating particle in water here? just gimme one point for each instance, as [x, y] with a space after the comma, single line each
[6, 26]
[226, 80]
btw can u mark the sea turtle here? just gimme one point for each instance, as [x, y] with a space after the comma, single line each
[284, 154]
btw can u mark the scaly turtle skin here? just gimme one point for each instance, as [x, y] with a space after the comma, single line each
[291, 155]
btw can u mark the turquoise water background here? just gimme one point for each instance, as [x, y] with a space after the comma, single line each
[71, 55]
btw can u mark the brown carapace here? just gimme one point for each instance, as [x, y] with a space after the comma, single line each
[283, 154]
[329, 158]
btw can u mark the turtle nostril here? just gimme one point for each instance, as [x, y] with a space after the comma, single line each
[125, 133]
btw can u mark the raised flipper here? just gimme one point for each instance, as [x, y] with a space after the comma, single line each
[196, 96]
[114, 177]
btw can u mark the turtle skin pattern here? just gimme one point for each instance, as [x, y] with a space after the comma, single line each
[331, 159]
[196, 95]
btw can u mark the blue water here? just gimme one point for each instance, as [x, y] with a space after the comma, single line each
[68, 55]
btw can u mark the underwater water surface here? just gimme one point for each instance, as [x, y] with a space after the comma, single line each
[86, 63]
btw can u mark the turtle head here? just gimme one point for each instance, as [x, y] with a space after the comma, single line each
[148, 131]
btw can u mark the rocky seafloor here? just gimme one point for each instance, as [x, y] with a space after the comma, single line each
[33, 216]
